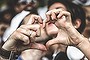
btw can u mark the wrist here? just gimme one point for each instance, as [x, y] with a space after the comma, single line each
[8, 45]
[84, 44]
[75, 36]
[4, 53]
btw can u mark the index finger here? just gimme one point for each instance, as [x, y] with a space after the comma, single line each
[34, 18]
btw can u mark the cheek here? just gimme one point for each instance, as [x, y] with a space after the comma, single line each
[51, 29]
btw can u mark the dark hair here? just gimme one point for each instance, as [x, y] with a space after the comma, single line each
[77, 12]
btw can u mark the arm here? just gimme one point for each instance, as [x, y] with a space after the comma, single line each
[81, 43]
[73, 37]
[24, 35]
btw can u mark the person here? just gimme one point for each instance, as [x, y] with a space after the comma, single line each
[68, 25]
[82, 2]
[3, 26]
[86, 32]
[76, 16]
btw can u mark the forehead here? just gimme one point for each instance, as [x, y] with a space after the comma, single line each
[57, 5]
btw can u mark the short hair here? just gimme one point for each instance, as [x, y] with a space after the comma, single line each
[77, 12]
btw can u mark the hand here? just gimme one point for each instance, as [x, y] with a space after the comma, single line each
[61, 40]
[60, 17]
[24, 36]
[53, 28]
[62, 20]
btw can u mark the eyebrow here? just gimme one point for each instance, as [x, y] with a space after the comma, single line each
[61, 8]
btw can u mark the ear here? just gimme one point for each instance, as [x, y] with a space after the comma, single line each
[77, 23]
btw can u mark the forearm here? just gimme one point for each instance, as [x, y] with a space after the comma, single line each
[79, 41]
[74, 35]
[8, 45]
[4, 54]
[84, 46]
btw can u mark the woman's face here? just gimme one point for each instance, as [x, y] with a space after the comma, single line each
[51, 28]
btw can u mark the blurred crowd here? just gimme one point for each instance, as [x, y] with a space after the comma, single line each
[10, 8]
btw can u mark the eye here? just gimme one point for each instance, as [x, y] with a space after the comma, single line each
[88, 18]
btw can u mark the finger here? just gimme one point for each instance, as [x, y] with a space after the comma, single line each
[40, 20]
[44, 23]
[30, 27]
[34, 18]
[61, 22]
[48, 16]
[37, 20]
[22, 37]
[30, 32]
[38, 46]
[32, 35]
[57, 11]
[66, 14]
[52, 42]
[53, 16]
[32, 46]
[24, 31]
[31, 19]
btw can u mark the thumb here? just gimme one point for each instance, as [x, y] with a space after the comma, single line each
[52, 42]
[31, 46]
[38, 46]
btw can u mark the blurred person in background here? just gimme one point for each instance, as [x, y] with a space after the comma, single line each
[5, 20]
[82, 2]
[3, 27]
[7, 15]
[20, 5]
[86, 32]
